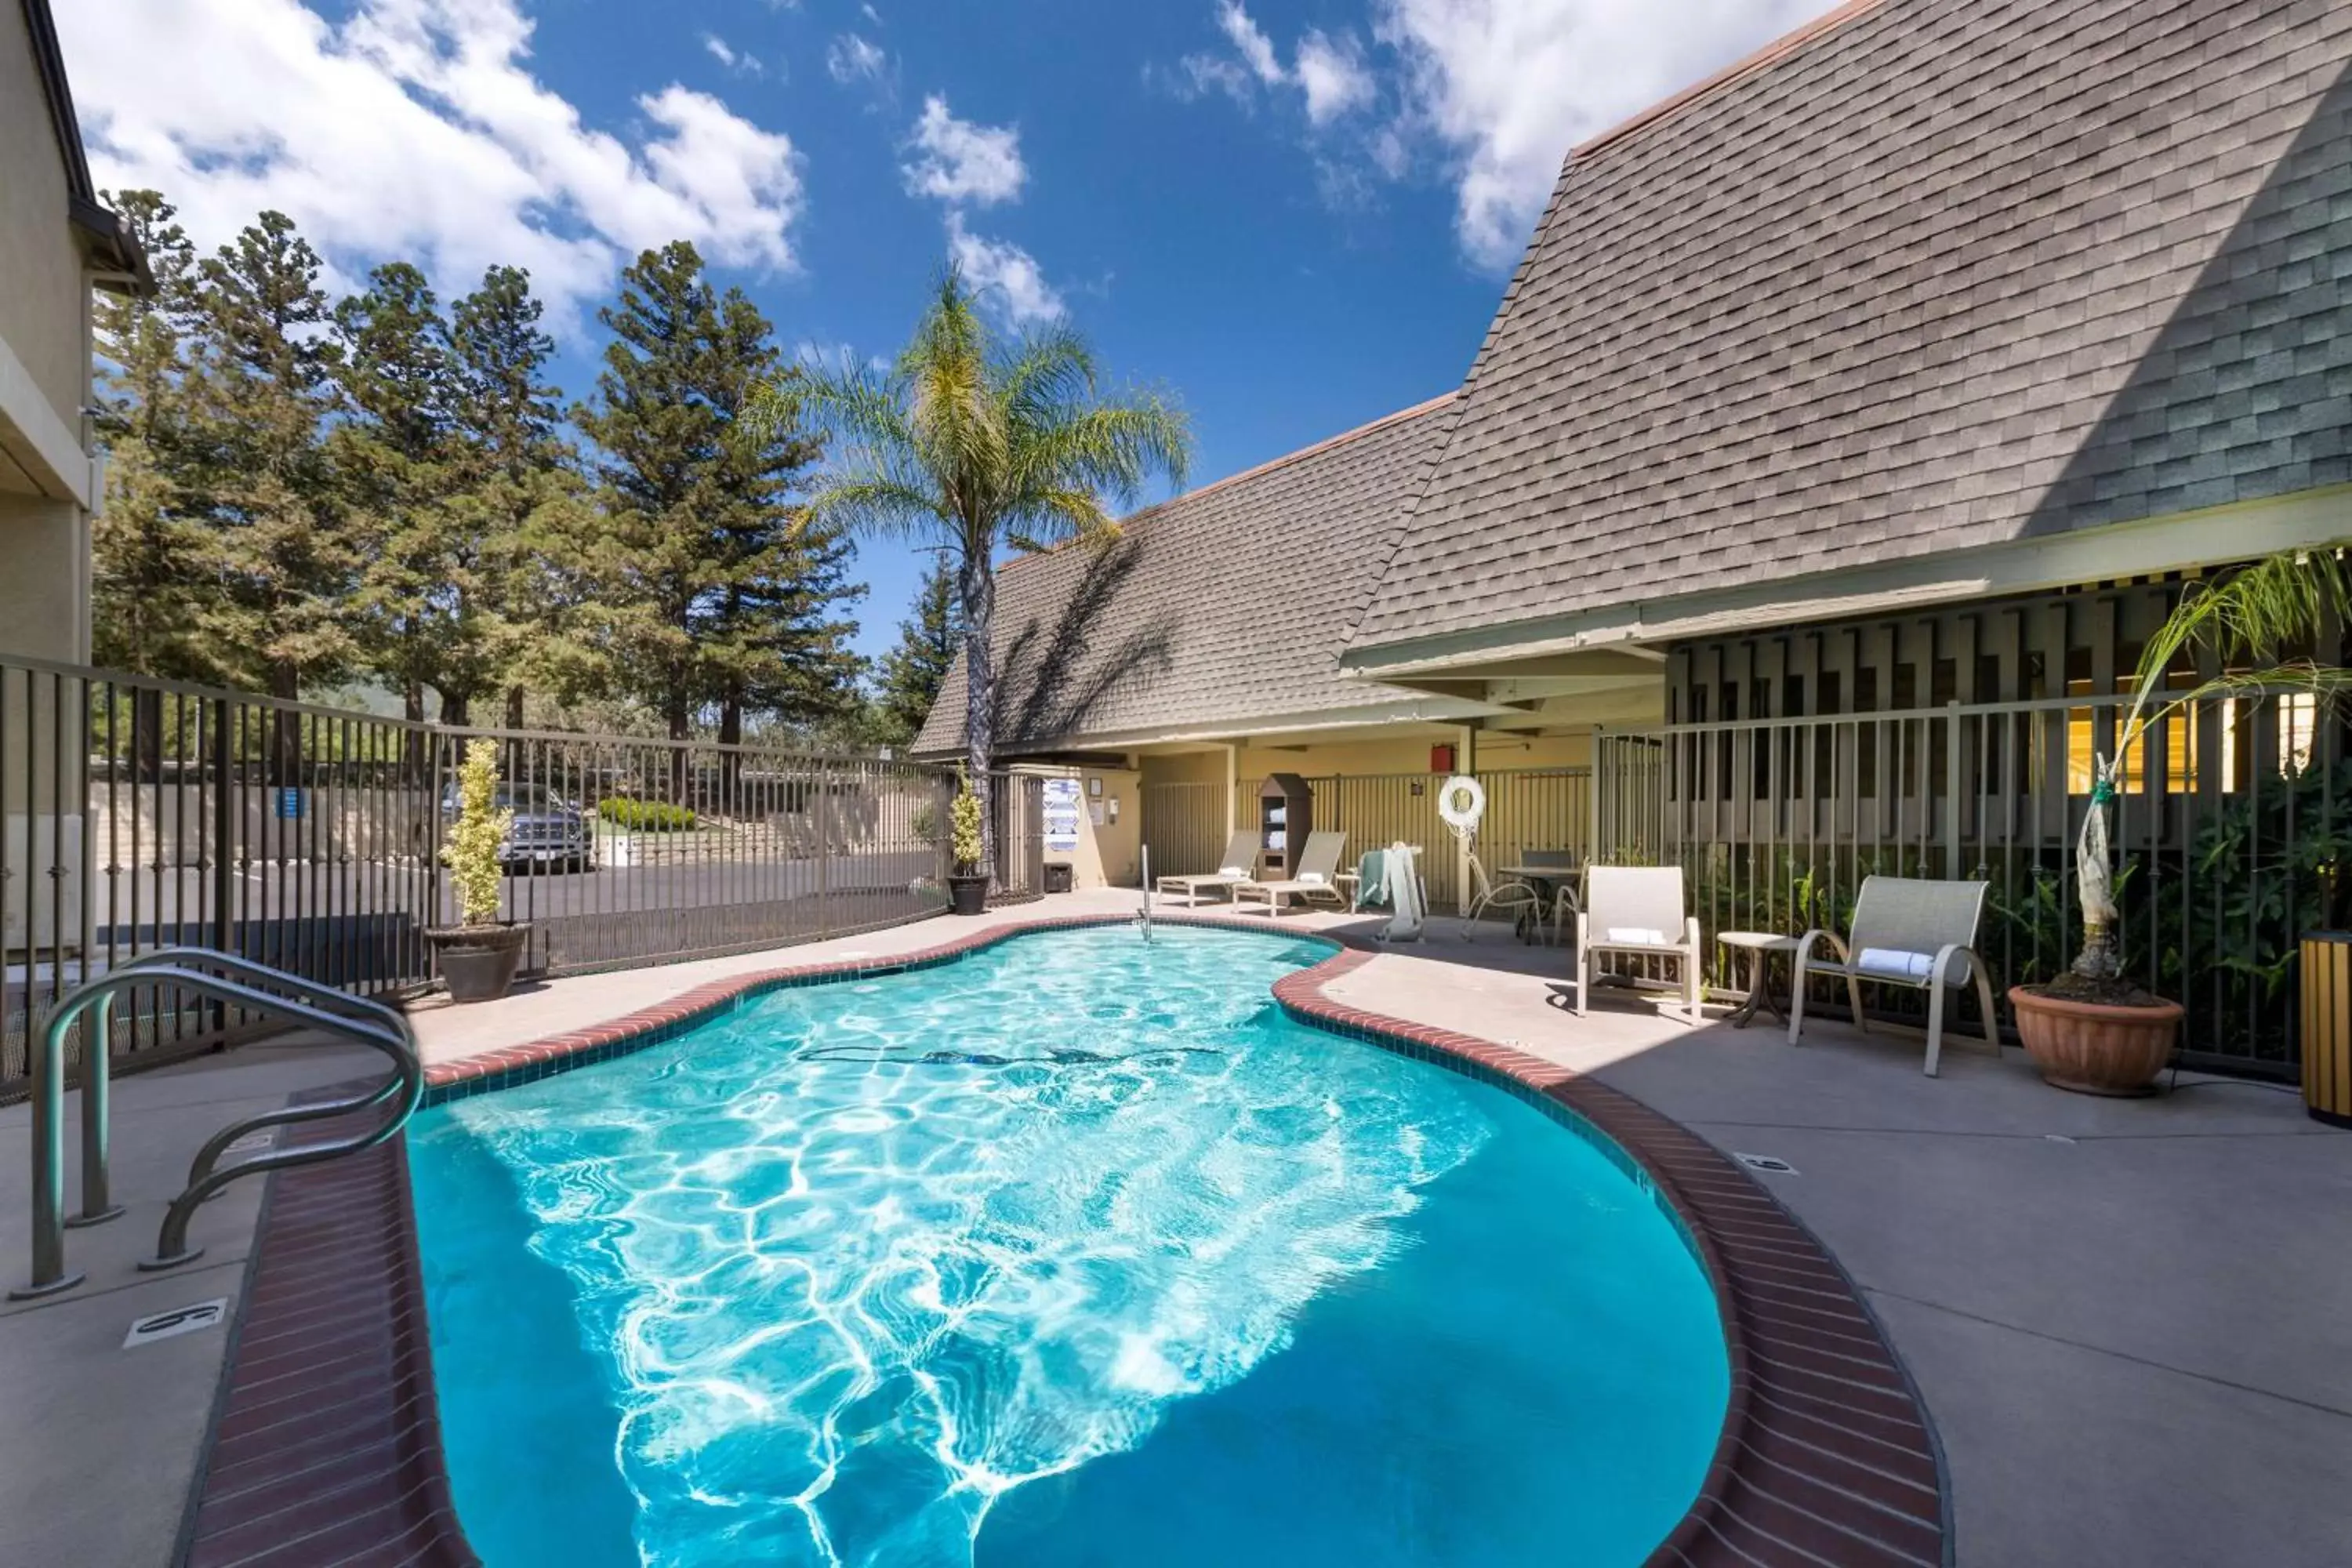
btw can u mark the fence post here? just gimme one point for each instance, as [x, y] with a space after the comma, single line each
[224, 826]
[1599, 776]
[1952, 775]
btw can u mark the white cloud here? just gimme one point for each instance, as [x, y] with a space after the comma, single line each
[1328, 72]
[1332, 74]
[854, 58]
[958, 160]
[731, 58]
[1510, 86]
[414, 128]
[1255, 47]
[1005, 276]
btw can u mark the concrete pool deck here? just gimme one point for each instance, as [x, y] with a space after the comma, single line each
[2128, 1319]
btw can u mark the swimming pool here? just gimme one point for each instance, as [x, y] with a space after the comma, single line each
[1075, 1251]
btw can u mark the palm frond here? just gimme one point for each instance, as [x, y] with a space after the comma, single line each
[1049, 372]
[1110, 446]
[877, 505]
[953, 416]
[1054, 516]
[2257, 612]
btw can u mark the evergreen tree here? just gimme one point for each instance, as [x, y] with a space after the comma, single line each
[519, 492]
[265, 369]
[147, 539]
[912, 671]
[704, 592]
[392, 457]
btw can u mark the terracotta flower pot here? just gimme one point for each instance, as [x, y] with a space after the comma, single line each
[2094, 1048]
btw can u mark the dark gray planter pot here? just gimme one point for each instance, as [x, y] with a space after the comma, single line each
[478, 962]
[970, 893]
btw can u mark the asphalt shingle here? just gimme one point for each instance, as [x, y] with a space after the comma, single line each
[1225, 606]
[1942, 274]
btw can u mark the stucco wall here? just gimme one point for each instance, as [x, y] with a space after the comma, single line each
[44, 578]
[41, 293]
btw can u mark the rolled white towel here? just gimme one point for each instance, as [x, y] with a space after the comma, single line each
[1310, 876]
[1234, 871]
[1894, 964]
[1637, 936]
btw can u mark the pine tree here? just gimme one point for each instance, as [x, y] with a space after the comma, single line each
[391, 457]
[704, 592]
[265, 369]
[912, 671]
[148, 538]
[519, 492]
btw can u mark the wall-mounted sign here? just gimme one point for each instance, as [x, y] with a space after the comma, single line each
[1061, 817]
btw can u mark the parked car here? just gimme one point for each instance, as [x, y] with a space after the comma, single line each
[547, 830]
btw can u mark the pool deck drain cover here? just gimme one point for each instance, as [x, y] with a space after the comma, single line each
[1772, 1163]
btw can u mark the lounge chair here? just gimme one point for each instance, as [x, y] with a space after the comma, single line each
[1910, 932]
[1639, 910]
[1318, 876]
[1239, 863]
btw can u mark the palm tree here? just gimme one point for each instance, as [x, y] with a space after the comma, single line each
[976, 442]
[2259, 615]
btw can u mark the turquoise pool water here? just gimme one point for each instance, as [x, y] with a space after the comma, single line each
[1077, 1251]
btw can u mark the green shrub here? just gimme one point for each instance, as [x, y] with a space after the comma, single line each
[645, 815]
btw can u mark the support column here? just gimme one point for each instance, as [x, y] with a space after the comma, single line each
[1232, 788]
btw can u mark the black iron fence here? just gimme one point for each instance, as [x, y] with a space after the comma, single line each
[139, 813]
[2233, 833]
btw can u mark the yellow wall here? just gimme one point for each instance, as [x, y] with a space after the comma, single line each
[1109, 854]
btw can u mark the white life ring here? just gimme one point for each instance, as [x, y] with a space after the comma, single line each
[1461, 802]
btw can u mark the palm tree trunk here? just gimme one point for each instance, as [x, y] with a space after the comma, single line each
[976, 596]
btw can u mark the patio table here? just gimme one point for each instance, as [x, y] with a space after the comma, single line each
[1759, 946]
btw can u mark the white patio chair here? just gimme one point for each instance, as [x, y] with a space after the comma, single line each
[1909, 931]
[1318, 875]
[1488, 894]
[1639, 910]
[1236, 866]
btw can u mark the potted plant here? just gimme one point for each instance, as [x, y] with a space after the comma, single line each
[477, 957]
[2092, 1029]
[968, 882]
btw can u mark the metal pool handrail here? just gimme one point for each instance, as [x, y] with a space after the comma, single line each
[406, 1086]
[94, 1107]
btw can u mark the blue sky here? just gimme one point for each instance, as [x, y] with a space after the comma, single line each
[1293, 216]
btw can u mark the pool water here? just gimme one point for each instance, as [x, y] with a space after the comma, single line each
[1076, 1251]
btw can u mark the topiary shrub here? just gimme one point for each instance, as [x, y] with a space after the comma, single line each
[645, 815]
[471, 850]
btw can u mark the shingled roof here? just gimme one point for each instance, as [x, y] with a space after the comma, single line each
[1225, 606]
[1931, 275]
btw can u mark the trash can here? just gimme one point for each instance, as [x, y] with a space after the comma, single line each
[2326, 985]
[1058, 877]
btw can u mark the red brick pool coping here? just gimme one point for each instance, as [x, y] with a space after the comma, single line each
[327, 1450]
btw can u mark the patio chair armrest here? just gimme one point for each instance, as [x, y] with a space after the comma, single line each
[1690, 935]
[1804, 962]
[1583, 931]
[1944, 956]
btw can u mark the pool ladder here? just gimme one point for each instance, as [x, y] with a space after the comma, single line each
[1143, 916]
[253, 987]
